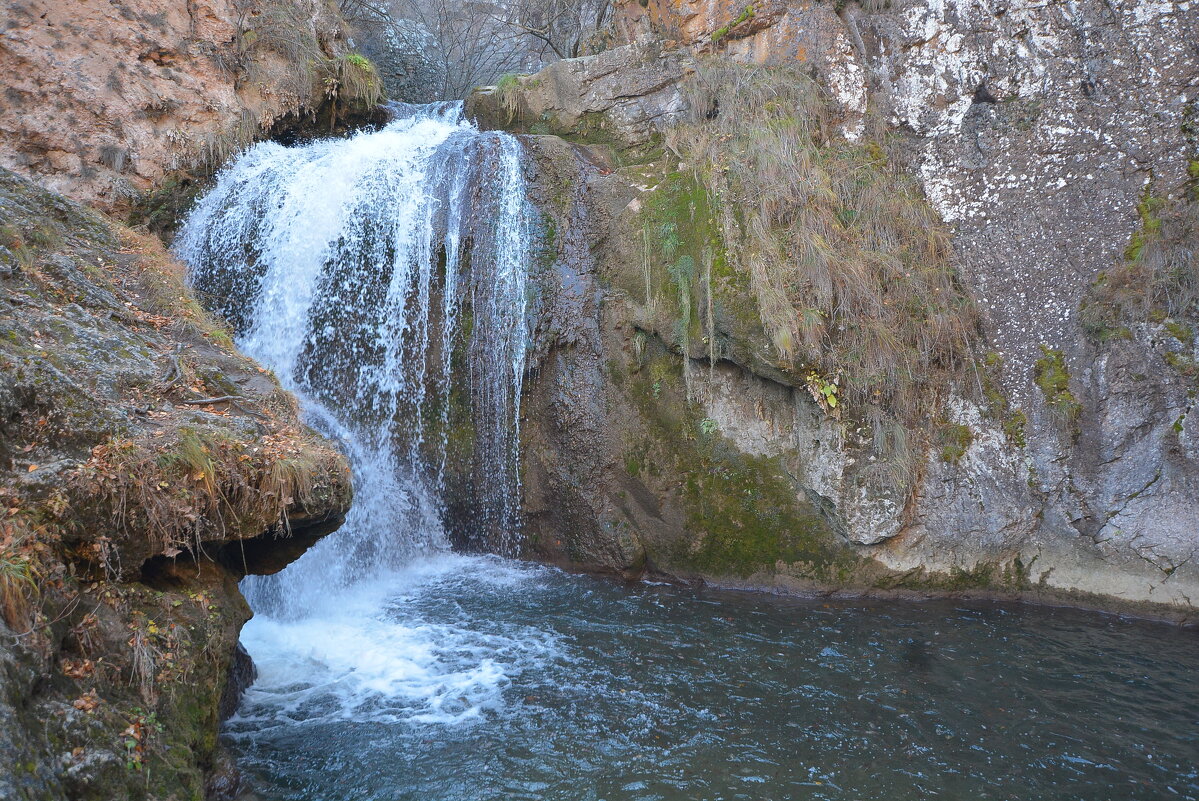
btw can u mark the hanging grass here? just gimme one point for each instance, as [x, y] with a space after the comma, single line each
[850, 267]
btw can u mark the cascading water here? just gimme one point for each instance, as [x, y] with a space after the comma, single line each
[383, 278]
[363, 272]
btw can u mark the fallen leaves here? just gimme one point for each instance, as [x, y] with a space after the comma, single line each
[87, 702]
[78, 669]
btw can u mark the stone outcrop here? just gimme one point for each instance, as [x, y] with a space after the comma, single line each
[1053, 141]
[146, 467]
[625, 95]
[105, 101]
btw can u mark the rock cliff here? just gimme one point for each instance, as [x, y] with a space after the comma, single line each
[1054, 453]
[106, 102]
[146, 468]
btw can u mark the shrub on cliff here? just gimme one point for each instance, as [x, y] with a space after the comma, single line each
[1156, 281]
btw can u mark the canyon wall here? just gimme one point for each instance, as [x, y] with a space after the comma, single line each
[1058, 145]
[107, 101]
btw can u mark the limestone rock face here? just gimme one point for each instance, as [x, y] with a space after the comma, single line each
[103, 99]
[627, 94]
[1037, 133]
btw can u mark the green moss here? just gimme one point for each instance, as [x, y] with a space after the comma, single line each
[1054, 380]
[1151, 226]
[1014, 426]
[592, 128]
[746, 14]
[46, 237]
[632, 465]
[358, 60]
[744, 514]
[1157, 280]
[162, 209]
[1181, 332]
[1013, 420]
[686, 267]
[354, 79]
[1183, 363]
[746, 511]
[547, 251]
[955, 439]
[1010, 576]
[507, 90]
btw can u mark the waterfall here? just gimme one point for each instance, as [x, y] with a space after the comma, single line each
[383, 278]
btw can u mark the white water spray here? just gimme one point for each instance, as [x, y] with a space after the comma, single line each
[383, 278]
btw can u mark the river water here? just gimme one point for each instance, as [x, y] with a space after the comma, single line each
[476, 678]
[391, 668]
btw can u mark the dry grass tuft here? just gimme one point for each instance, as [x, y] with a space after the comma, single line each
[17, 584]
[509, 89]
[197, 483]
[285, 28]
[1158, 279]
[159, 282]
[851, 268]
[352, 80]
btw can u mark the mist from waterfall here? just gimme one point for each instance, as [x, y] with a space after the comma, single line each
[383, 278]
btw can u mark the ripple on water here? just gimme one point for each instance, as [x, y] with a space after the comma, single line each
[476, 678]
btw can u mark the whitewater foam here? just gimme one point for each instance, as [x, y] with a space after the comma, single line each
[384, 655]
[356, 269]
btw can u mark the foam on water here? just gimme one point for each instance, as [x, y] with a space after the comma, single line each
[356, 269]
[378, 657]
[347, 266]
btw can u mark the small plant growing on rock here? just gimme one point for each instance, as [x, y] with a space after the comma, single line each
[17, 583]
[1054, 380]
[508, 89]
[746, 14]
[955, 440]
[1157, 281]
[823, 391]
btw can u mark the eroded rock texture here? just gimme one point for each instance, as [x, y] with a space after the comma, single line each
[145, 467]
[103, 100]
[1053, 140]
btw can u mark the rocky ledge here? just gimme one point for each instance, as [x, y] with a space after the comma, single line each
[126, 103]
[772, 351]
[147, 467]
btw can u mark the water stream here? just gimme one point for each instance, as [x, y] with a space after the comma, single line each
[383, 279]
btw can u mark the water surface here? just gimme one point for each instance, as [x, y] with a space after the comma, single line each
[479, 678]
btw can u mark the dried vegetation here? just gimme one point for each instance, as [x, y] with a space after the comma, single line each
[1157, 280]
[132, 428]
[850, 267]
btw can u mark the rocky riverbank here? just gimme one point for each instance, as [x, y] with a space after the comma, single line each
[147, 467]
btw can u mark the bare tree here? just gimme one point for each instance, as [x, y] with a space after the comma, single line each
[560, 27]
[441, 49]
